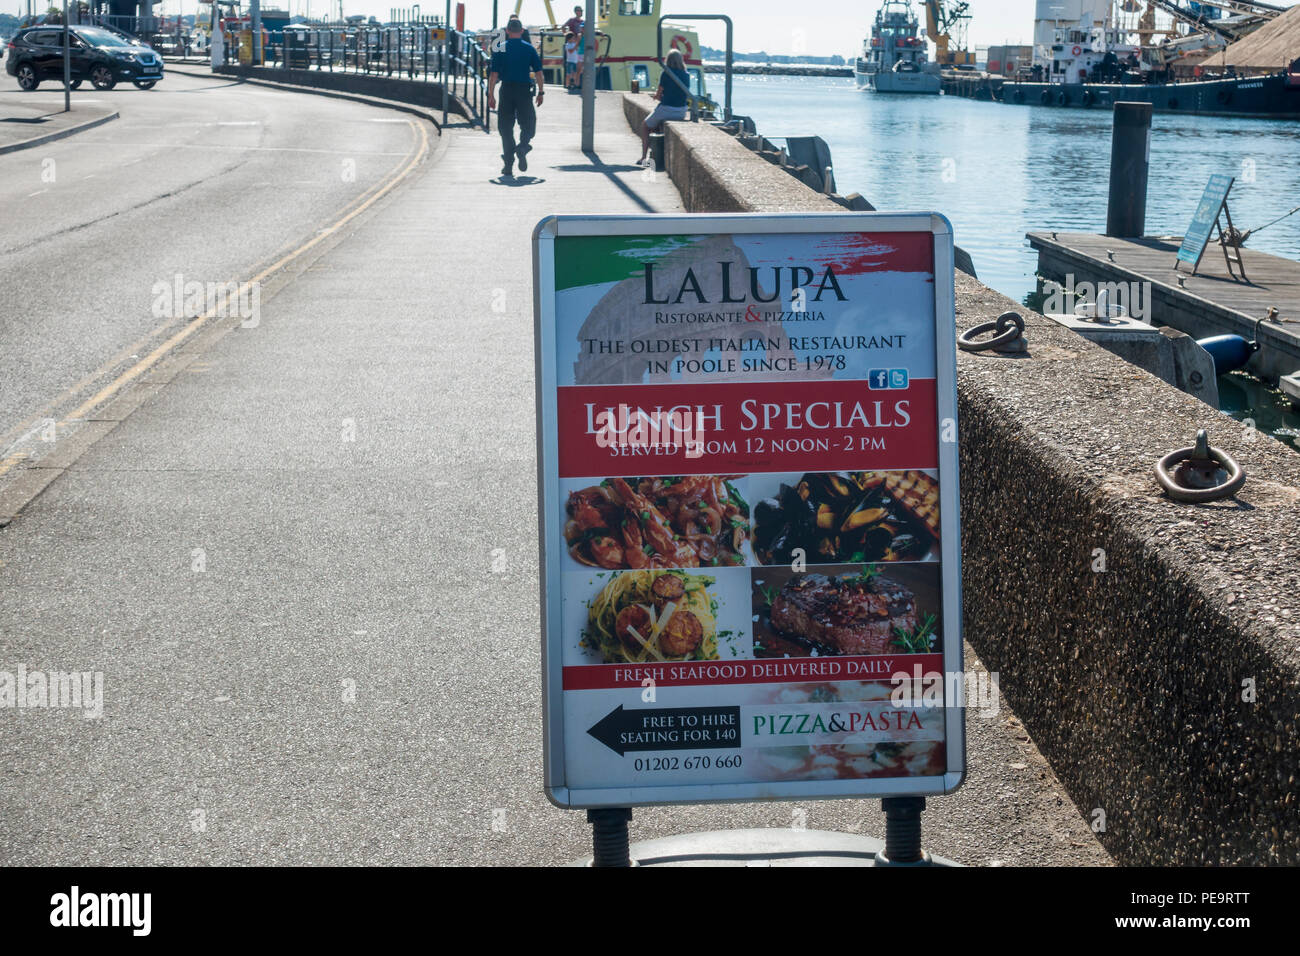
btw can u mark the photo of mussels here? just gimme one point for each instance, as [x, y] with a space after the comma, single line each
[846, 516]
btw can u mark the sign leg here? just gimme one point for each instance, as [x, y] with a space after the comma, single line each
[1231, 235]
[902, 832]
[609, 838]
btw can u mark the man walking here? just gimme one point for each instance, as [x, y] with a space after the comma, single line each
[516, 65]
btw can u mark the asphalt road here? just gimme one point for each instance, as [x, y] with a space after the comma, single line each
[203, 179]
[306, 566]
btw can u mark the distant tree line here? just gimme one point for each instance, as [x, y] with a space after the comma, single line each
[763, 56]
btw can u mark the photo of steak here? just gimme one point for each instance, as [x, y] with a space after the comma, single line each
[845, 615]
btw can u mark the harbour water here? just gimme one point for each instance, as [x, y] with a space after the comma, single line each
[998, 170]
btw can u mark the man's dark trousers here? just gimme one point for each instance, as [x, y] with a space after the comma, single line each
[516, 105]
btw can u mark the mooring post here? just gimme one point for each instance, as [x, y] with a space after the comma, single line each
[609, 839]
[1130, 156]
[902, 830]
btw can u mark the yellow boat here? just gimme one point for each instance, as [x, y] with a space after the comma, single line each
[626, 48]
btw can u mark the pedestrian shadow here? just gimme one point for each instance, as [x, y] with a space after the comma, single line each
[517, 180]
[599, 168]
[608, 170]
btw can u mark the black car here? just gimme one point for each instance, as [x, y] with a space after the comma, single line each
[98, 55]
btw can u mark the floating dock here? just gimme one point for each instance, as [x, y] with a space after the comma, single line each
[974, 85]
[1208, 303]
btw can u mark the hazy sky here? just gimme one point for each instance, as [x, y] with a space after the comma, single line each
[777, 26]
[828, 26]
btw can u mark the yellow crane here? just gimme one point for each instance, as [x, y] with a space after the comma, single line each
[549, 12]
[946, 24]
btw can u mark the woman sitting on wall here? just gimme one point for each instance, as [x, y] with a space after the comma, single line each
[673, 84]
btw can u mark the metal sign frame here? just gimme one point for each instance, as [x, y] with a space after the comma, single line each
[1214, 224]
[551, 530]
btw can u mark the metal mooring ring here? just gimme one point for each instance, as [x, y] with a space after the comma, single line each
[1200, 466]
[1008, 327]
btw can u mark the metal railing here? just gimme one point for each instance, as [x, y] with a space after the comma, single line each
[141, 28]
[470, 62]
[415, 51]
[405, 52]
[136, 26]
[549, 44]
[409, 52]
[168, 36]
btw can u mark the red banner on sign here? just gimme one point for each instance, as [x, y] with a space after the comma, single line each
[779, 670]
[736, 428]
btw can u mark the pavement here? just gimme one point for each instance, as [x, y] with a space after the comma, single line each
[303, 552]
[35, 118]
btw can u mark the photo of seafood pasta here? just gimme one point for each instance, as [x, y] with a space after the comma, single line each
[689, 521]
[644, 616]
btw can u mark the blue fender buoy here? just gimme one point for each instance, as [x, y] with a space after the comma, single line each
[1230, 352]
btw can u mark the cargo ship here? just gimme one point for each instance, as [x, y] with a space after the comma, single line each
[1276, 96]
[894, 55]
[1106, 51]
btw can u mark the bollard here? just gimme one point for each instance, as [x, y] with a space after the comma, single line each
[657, 151]
[1130, 155]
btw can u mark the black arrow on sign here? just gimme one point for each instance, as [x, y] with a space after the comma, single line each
[671, 728]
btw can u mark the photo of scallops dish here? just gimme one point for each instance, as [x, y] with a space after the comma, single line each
[687, 521]
[662, 616]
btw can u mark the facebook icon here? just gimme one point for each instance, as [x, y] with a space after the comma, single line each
[878, 378]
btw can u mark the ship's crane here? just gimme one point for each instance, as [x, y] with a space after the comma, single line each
[1253, 16]
[946, 23]
[1146, 25]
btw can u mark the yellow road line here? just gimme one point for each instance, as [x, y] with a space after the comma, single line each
[78, 387]
[152, 358]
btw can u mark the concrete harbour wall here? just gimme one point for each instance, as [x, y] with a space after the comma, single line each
[1152, 648]
[715, 173]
